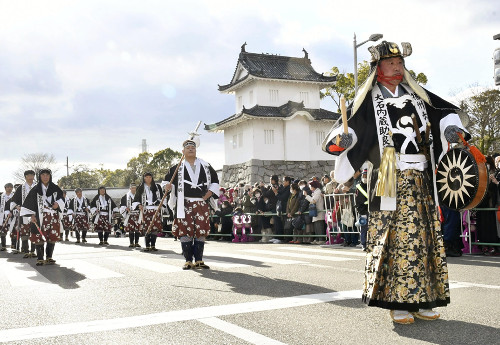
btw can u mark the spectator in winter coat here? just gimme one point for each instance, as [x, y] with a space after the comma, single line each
[318, 221]
[304, 209]
[292, 207]
[226, 221]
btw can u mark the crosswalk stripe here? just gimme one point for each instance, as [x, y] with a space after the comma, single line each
[253, 258]
[239, 332]
[146, 264]
[89, 270]
[20, 274]
[297, 255]
[324, 251]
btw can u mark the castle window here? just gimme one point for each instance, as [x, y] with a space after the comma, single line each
[320, 136]
[304, 97]
[268, 136]
[273, 95]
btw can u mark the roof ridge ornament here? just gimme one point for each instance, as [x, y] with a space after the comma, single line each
[306, 55]
[243, 47]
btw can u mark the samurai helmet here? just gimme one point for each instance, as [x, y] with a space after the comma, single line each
[387, 50]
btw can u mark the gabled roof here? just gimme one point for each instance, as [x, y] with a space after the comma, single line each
[267, 66]
[284, 111]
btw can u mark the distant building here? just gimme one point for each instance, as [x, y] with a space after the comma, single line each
[278, 125]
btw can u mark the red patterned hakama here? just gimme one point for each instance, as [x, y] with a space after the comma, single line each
[81, 222]
[133, 223]
[196, 222]
[148, 217]
[50, 228]
[103, 224]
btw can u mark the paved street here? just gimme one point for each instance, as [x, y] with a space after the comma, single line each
[254, 294]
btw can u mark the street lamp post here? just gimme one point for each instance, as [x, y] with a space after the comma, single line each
[374, 37]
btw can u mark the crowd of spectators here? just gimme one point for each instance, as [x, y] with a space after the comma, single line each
[286, 210]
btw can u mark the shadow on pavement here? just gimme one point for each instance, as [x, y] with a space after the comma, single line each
[261, 285]
[62, 276]
[449, 332]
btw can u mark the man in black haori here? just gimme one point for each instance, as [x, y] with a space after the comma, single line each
[16, 203]
[78, 212]
[44, 203]
[6, 217]
[406, 269]
[191, 192]
[147, 199]
[131, 217]
[102, 206]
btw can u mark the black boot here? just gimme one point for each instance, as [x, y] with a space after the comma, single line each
[4, 243]
[199, 247]
[101, 238]
[32, 249]
[131, 239]
[147, 240]
[106, 235]
[77, 234]
[84, 235]
[49, 252]
[24, 248]
[153, 242]
[39, 255]
[137, 235]
[187, 251]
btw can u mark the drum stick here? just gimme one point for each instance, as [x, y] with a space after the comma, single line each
[343, 112]
[415, 127]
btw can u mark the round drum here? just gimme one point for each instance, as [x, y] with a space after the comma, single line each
[461, 181]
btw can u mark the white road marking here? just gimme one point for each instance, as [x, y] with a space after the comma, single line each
[89, 270]
[252, 258]
[146, 264]
[455, 284]
[297, 255]
[45, 331]
[330, 251]
[239, 332]
[23, 274]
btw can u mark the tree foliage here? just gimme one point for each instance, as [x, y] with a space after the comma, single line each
[35, 162]
[483, 108]
[157, 163]
[344, 86]
[81, 177]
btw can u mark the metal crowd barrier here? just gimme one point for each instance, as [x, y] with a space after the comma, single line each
[341, 213]
[474, 242]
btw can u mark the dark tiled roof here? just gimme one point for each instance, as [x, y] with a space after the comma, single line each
[277, 67]
[283, 111]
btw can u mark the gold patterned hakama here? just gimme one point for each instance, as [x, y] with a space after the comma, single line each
[406, 261]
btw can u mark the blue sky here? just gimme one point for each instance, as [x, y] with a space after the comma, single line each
[91, 79]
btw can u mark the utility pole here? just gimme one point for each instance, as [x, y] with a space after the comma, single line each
[67, 166]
